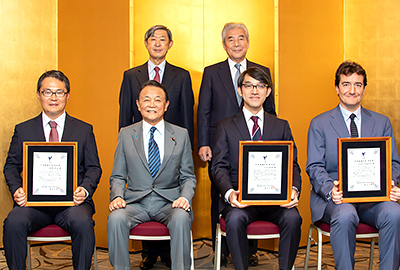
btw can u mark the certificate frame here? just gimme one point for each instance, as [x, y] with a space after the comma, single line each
[71, 170]
[285, 149]
[385, 168]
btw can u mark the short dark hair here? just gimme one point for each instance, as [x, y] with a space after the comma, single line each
[56, 74]
[156, 84]
[256, 73]
[348, 68]
[154, 28]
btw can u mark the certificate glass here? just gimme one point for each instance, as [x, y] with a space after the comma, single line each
[265, 172]
[365, 169]
[49, 173]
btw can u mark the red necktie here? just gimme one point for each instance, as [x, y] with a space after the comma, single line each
[53, 132]
[256, 135]
[157, 77]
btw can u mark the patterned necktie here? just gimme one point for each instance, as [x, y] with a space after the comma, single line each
[53, 132]
[154, 154]
[353, 127]
[157, 77]
[256, 134]
[235, 83]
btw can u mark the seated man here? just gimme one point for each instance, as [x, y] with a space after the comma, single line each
[350, 119]
[152, 180]
[52, 125]
[252, 122]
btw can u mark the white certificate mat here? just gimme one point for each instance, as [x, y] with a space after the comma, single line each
[49, 173]
[264, 173]
[364, 166]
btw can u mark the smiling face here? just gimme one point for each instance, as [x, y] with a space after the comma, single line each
[53, 106]
[236, 44]
[253, 97]
[152, 104]
[158, 45]
[351, 91]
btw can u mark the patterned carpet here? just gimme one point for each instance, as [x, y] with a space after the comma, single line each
[58, 256]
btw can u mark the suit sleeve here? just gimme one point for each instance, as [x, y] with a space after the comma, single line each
[221, 165]
[118, 178]
[93, 171]
[204, 110]
[125, 103]
[395, 155]
[187, 177]
[13, 166]
[320, 180]
[186, 105]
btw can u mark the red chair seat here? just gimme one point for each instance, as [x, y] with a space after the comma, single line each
[361, 229]
[50, 231]
[256, 228]
[151, 228]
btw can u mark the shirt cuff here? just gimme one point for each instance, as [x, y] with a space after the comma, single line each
[227, 195]
[87, 193]
[186, 200]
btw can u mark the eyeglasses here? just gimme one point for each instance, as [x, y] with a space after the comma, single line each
[259, 87]
[48, 93]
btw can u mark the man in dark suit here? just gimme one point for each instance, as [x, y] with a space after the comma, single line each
[252, 122]
[53, 124]
[158, 40]
[152, 180]
[350, 119]
[219, 99]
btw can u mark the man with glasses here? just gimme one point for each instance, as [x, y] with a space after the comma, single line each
[219, 99]
[253, 123]
[52, 125]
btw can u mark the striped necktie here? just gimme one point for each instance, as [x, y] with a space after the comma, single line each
[154, 154]
[157, 76]
[235, 84]
[256, 134]
[353, 127]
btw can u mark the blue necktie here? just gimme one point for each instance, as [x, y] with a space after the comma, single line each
[256, 136]
[235, 84]
[154, 154]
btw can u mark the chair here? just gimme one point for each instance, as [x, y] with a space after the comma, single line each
[322, 228]
[155, 231]
[51, 233]
[255, 230]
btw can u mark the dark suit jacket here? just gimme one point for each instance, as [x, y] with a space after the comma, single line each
[179, 87]
[226, 150]
[322, 151]
[217, 100]
[89, 170]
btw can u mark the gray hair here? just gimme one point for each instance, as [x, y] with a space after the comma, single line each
[233, 25]
[154, 28]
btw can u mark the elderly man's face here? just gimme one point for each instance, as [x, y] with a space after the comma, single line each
[351, 91]
[236, 44]
[158, 45]
[152, 104]
[53, 106]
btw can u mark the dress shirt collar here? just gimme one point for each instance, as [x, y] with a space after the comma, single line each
[60, 125]
[160, 127]
[232, 64]
[247, 116]
[152, 73]
[346, 116]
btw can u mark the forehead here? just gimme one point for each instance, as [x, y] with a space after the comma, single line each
[248, 79]
[160, 33]
[354, 78]
[235, 32]
[152, 92]
[50, 82]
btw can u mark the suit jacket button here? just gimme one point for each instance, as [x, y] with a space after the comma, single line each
[152, 186]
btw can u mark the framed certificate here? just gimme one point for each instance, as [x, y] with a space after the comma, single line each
[50, 173]
[365, 169]
[265, 172]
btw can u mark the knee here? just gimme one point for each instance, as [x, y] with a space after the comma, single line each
[390, 214]
[117, 219]
[236, 220]
[345, 218]
[180, 217]
[15, 223]
[291, 219]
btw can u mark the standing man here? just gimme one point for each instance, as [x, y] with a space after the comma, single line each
[158, 40]
[219, 99]
[350, 119]
[52, 125]
[152, 180]
[253, 123]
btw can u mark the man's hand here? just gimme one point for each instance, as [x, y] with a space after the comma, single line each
[117, 203]
[233, 200]
[20, 197]
[181, 203]
[205, 153]
[394, 193]
[294, 202]
[79, 196]
[337, 196]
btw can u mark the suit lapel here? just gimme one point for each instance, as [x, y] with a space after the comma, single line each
[226, 79]
[143, 73]
[38, 128]
[241, 126]
[169, 145]
[367, 123]
[337, 122]
[169, 75]
[268, 127]
[137, 138]
[69, 127]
